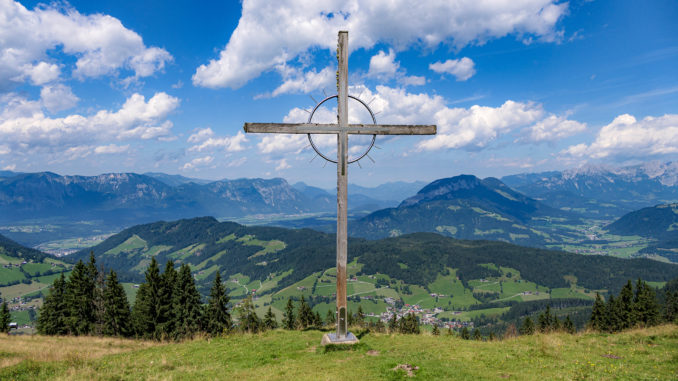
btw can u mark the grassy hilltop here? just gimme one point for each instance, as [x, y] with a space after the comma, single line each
[282, 355]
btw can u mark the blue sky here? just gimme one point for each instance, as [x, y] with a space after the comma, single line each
[521, 86]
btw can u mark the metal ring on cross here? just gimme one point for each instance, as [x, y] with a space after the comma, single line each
[374, 137]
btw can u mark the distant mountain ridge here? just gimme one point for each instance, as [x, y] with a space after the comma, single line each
[133, 198]
[598, 191]
[463, 207]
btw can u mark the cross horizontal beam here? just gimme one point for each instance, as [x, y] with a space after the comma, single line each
[352, 129]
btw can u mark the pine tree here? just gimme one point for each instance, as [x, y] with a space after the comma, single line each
[146, 311]
[167, 319]
[249, 321]
[613, 315]
[527, 328]
[393, 323]
[598, 320]
[360, 316]
[217, 317]
[317, 320]
[5, 317]
[98, 303]
[330, 319]
[627, 315]
[543, 323]
[476, 335]
[117, 317]
[409, 324]
[568, 325]
[289, 320]
[671, 307]
[465, 333]
[492, 336]
[380, 326]
[54, 311]
[647, 308]
[80, 299]
[556, 326]
[269, 319]
[187, 305]
[436, 331]
[306, 316]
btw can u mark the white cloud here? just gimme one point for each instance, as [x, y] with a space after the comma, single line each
[4, 149]
[101, 44]
[10, 167]
[282, 164]
[39, 73]
[201, 135]
[383, 65]
[227, 143]
[272, 33]
[553, 128]
[297, 82]
[627, 137]
[111, 148]
[413, 80]
[57, 97]
[198, 162]
[24, 126]
[462, 69]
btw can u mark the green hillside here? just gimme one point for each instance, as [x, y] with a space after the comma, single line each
[25, 276]
[467, 207]
[451, 280]
[644, 354]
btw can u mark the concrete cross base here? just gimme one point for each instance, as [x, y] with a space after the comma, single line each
[331, 338]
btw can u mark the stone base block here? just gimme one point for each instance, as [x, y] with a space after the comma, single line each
[331, 338]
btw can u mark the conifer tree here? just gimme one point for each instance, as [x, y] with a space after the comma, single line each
[380, 326]
[627, 315]
[187, 316]
[436, 331]
[393, 323]
[598, 320]
[360, 316]
[492, 336]
[269, 319]
[555, 326]
[146, 311]
[169, 285]
[5, 317]
[306, 316]
[54, 311]
[543, 323]
[613, 315]
[671, 307]
[647, 308]
[217, 317]
[568, 325]
[289, 320]
[98, 303]
[465, 333]
[330, 319]
[449, 331]
[527, 328]
[79, 299]
[317, 320]
[409, 324]
[117, 317]
[249, 321]
[476, 335]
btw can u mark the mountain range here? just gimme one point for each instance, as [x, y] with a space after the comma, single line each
[601, 192]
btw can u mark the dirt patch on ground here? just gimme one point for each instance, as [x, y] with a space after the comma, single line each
[409, 369]
[372, 352]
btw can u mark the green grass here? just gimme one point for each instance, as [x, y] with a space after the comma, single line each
[133, 243]
[284, 355]
[8, 276]
[34, 269]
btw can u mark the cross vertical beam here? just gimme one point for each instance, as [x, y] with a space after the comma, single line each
[342, 184]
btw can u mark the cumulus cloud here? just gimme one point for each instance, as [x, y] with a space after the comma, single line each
[23, 125]
[206, 141]
[58, 97]
[198, 162]
[101, 44]
[111, 148]
[272, 33]
[383, 65]
[627, 137]
[462, 69]
[295, 81]
[553, 128]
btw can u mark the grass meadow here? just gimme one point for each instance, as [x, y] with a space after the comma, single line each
[641, 354]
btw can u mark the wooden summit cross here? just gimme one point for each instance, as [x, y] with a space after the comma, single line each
[342, 129]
